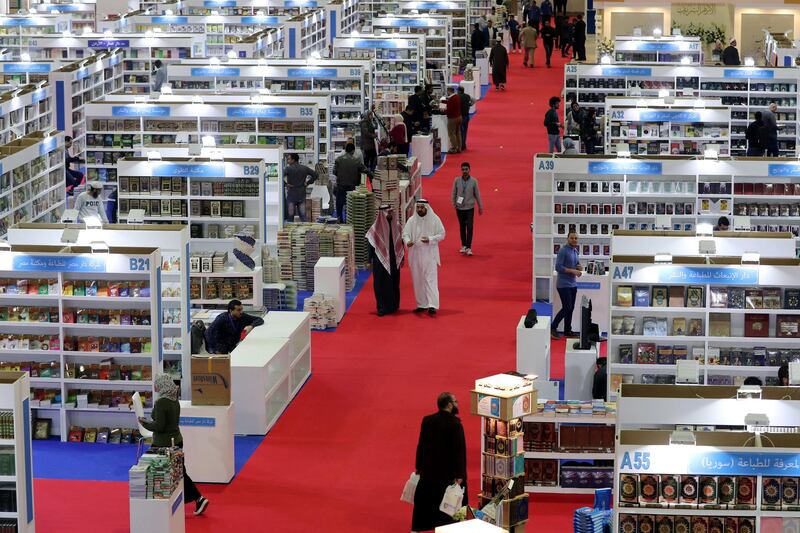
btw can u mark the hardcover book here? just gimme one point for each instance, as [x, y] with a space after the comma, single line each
[660, 296]
[649, 326]
[788, 326]
[756, 325]
[719, 297]
[694, 297]
[625, 353]
[679, 326]
[645, 353]
[676, 296]
[754, 299]
[695, 328]
[628, 325]
[719, 325]
[736, 298]
[624, 295]
[641, 296]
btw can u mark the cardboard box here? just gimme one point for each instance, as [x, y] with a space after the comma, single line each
[502, 408]
[211, 380]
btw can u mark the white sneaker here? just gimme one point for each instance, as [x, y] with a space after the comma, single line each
[469, 251]
[463, 249]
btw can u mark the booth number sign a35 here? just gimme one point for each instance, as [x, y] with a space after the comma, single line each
[636, 461]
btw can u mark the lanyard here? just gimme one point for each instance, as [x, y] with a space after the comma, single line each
[464, 184]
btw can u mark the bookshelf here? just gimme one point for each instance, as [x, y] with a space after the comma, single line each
[267, 43]
[90, 390]
[80, 82]
[666, 49]
[745, 89]
[438, 32]
[15, 73]
[81, 16]
[173, 245]
[25, 110]
[655, 126]
[398, 65]
[292, 122]
[21, 33]
[346, 81]
[779, 50]
[735, 319]
[457, 10]
[343, 17]
[596, 196]
[16, 449]
[222, 7]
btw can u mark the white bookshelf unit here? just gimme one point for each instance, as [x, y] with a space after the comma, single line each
[677, 50]
[77, 84]
[457, 10]
[32, 180]
[595, 196]
[16, 447]
[25, 110]
[438, 31]
[81, 16]
[346, 81]
[344, 17]
[173, 245]
[14, 73]
[20, 33]
[654, 126]
[722, 478]
[745, 89]
[398, 65]
[300, 36]
[266, 44]
[779, 49]
[92, 392]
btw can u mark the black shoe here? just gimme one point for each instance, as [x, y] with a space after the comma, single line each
[572, 335]
[202, 503]
[431, 311]
[419, 310]
[381, 313]
[554, 334]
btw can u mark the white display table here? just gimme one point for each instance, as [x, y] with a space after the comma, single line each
[579, 366]
[158, 516]
[268, 368]
[422, 149]
[473, 89]
[439, 123]
[208, 441]
[329, 280]
[470, 526]
[482, 61]
[533, 348]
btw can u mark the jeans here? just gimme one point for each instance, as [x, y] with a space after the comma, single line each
[554, 143]
[465, 219]
[772, 148]
[296, 209]
[568, 296]
[464, 128]
[341, 201]
[548, 51]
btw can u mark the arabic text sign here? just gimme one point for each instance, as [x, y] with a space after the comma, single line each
[26, 67]
[624, 167]
[721, 275]
[671, 116]
[627, 71]
[140, 110]
[54, 263]
[745, 464]
[748, 73]
[109, 43]
[201, 170]
[215, 71]
[260, 111]
[787, 169]
[311, 72]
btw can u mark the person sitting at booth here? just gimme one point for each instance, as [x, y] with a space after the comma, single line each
[227, 330]
[723, 224]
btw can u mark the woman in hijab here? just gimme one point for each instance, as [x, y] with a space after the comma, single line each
[164, 425]
[399, 134]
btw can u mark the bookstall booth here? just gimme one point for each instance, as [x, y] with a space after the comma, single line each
[26, 110]
[719, 458]
[456, 10]
[81, 16]
[670, 49]
[779, 49]
[20, 34]
[16, 470]
[264, 44]
[302, 35]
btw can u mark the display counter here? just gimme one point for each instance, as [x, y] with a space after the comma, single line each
[158, 515]
[207, 432]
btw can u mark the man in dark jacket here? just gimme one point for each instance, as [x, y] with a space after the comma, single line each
[297, 177]
[754, 147]
[579, 38]
[441, 461]
[225, 332]
[466, 103]
[368, 140]
[476, 40]
[415, 101]
[548, 34]
[348, 169]
[730, 56]
[533, 15]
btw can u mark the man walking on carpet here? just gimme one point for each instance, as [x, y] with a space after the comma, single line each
[498, 59]
[386, 254]
[464, 196]
[441, 461]
[422, 234]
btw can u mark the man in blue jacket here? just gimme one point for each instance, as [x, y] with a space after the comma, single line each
[225, 332]
[546, 10]
[534, 15]
[569, 269]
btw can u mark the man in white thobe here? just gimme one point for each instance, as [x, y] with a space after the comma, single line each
[422, 234]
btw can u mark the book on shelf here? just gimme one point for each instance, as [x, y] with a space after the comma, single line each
[756, 325]
[676, 296]
[694, 297]
[679, 326]
[645, 353]
[660, 296]
[736, 298]
[695, 328]
[787, 326]
[641, 296]
[625, 352]
[719, 297]
[719, 325]
[624, 296]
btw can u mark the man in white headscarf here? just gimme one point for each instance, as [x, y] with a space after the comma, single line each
[422, 234]
[386, 253]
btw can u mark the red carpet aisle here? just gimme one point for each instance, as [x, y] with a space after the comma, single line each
[337, 460]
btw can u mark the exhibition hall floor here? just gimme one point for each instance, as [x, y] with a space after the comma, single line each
[338, 458]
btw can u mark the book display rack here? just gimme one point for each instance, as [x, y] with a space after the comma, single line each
[301, 35]
[343, 16]
[677, 50]
[779, 49]
[81, 16]
[218, 7]
[14, 73]
[734, 318]
[745, 89]
[94, 312]
[456, 9]
[690, 474]
[397, 61]
[502, 401]
[25, 110]
[438, 32]
[16, 461]
[625, 194]
[21, 33]
[346, 81]
[573, 431]
[654, 126]
[266, 44]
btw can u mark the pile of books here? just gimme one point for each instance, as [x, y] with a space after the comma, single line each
[577, 408]
[322, 310]
[361, 212]
[301, 244]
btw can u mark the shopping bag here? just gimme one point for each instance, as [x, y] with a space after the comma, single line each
[410, 488]
[451, 502]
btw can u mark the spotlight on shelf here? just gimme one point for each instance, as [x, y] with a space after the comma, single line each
[66, 33]
[686, 60]
[168, 12]
[25, 57]
[750, 392]
[682, 438]
[663, 259]
[209, 141]
[108, 34]
[215, 13]
[93, 222]
[231, 54]
[197, 99]
[758, 423]
[711, 153]
[623, 150]
[214, 61]
[153, 155]
[87, 30]
[749, 62]
[751, 258]
[663, 93]
[148, 34]
[657, 32]
[70, 216]
[99, 247]
[605, 60]
[54, 11]
[216, 155]
[261, 13]
[705, 229]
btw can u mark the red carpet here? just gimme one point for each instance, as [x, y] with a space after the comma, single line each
[338, 459]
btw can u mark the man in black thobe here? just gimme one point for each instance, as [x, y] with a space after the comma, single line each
[386, 252]
[441, 461]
